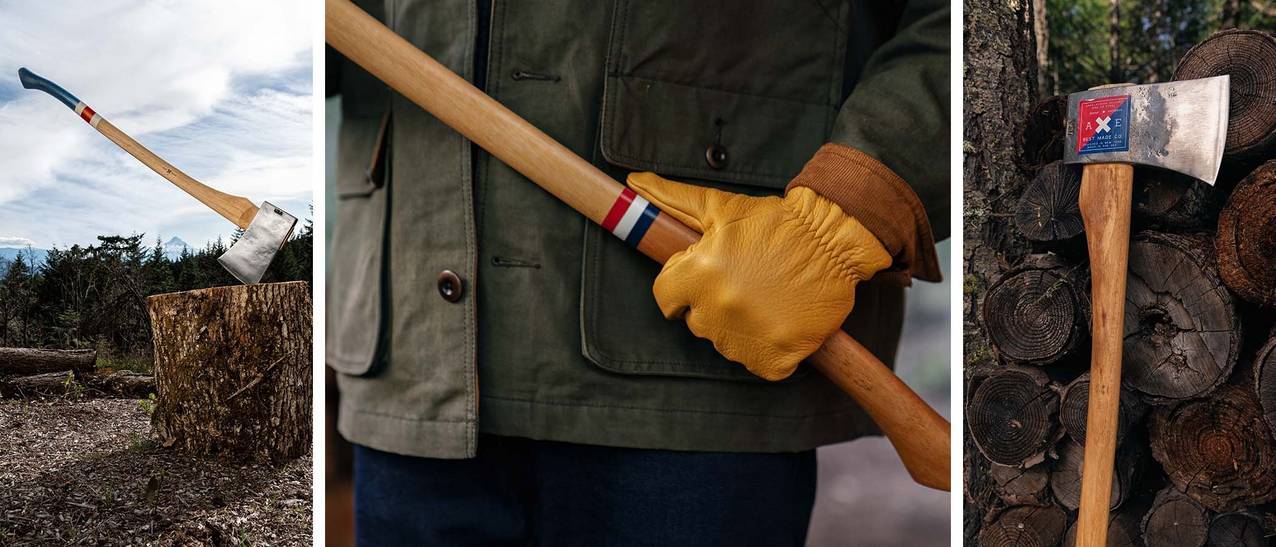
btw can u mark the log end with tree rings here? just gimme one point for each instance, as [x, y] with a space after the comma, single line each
[1218, 450]
[1182, 329]
[1012, 416]
[1025, 526]
[1048, 210]
[1043, 133]
[1074, 407]
[1164, 199]
[1019, 486]
[1246, 56]
[1265, 380]
[1246, 239]
[1236, 530]
[1175, 520]
[1123, 531]
[1037, 313]
[1065, 473]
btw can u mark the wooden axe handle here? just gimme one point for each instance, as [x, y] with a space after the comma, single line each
[919, 434]
[1105, 208]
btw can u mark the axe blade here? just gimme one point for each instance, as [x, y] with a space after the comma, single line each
[1180, 126]
[248, 258]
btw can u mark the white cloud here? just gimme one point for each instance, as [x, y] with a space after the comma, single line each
[219, 88]
[6, 241]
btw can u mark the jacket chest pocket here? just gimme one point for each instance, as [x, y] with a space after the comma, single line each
[734, 95]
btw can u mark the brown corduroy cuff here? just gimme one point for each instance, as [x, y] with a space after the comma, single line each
[882, 202]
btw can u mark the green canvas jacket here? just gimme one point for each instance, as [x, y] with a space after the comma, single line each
[552, 332]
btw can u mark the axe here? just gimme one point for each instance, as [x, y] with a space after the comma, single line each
[266, 228]
[1180, 126]
[919, 434]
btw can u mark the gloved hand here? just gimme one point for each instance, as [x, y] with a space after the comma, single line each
[771, 279]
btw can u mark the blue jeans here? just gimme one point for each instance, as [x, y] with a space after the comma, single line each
[538, 493]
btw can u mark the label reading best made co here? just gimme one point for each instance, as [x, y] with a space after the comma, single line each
[1103, 125]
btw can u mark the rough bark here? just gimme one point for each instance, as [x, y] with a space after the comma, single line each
[1074, 406]
[1065, 473]
[119, 384]
[1182, 328]
[1025, 525]
[1123, 531]
[233, 370]
[1218, 450]
[1048, 211]
[1175, 520]
[1246, 239]
[1172, 201]
[1245, 55]
[1012, 416]
[1017, 486]
[37, 361]
[1236, 530]
[1039, 312]
[1265, 380]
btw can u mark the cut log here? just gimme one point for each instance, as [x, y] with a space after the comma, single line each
[1065, 474]
[38, 361]
[1017, 486]
[1182, 330]
[1246, 239]
[1218, 450]
[1025, 525]
[1123, 531]
[1048, 210]
[1265, 380]
[1043, 133]
[1075, 404]
[120, 384]
[1012, 416]
[1038, 313]
[233, 370]
[1236, 530]
[1167, 200]
[1245, 55]
[1175, 520]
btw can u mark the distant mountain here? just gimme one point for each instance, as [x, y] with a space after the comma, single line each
[33, 257]
[174, 248]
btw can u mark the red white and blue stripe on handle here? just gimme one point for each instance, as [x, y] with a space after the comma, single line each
[630, 217]
[31, 80]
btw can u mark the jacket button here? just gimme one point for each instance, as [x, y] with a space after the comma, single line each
[716, 156]
[450, 286]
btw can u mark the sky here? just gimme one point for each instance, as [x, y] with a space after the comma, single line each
[220, 88]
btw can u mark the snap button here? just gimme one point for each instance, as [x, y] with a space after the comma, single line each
[450, 286]
[716, 156]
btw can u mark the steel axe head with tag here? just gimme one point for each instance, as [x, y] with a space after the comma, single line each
[266, 228]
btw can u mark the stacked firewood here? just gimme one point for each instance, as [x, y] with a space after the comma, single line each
[29, 373]
[1196, 463]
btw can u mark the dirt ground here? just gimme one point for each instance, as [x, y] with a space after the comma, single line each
[86, 473]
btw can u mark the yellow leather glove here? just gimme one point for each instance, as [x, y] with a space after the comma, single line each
[771, 279]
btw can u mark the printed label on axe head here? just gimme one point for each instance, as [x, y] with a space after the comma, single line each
[1103, 125]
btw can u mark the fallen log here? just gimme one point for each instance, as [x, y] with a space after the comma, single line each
[1012, 416]
[1047, 210]
[1065, 474]
[1017, 486]
[1074, 407]
[1236, 530]
[1247, 56]
[1038, 312]
[1175, 520]
[1025, 525]
[1043, 133]
[1166, 200]
[233, 370]
[121, 384]
[37, 361]
[1123, 531]
[1246, 239]
[1265, 380]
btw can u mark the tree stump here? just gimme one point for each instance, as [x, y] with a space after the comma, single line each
[1048, 210]
[1246, 239]
[1011, 416]
[1245, 55]
[1025, 525]
[1074, 407]
[1065, 474]
[233, 370]
[1182, 330]
[1174, 521]
[1017, 486]
[1123, 531]
[1218, 450]
[1037, 313]
[1173, 201]
[39, 361]
[1265, 380]
[1236, 530]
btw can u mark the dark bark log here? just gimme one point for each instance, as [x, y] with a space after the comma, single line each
[37, 361]
[120, 384]
[1182, 330]
[1218, 450]
[1245, 55]
[1012, 416]
[1175, 520]
[1065, 473]
[1039, 312]
[1017, 486]
[1043, 132]
[1265, 380]
[1047, 210]
[1172, 201]
[1123, 531]
[1074, 405]
[1025, 525]
[1246, 240]
[1236, 530]
[233, 369]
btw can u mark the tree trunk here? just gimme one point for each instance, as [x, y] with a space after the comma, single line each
[1265, 380]
[1116, 74]
[1041, 33]
[1182, 330]
[1038, 313]
[1174, 521]
[1025, 525]
[36, 361]
[1017, 486]
[1012, 416]
[1048, 211]
[1236, 530]
[1123, 531]
[120, 384]
[1246, 240]
[233, 370]
[1247, 56]
[1218, 450]
[1065, 474]
[1074, 407]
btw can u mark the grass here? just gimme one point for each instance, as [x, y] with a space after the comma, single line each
[134, 363]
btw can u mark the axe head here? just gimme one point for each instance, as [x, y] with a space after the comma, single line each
[249, 257]
[1180, 126]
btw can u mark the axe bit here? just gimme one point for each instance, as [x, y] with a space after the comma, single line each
[266, 228]
[1180, 126]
